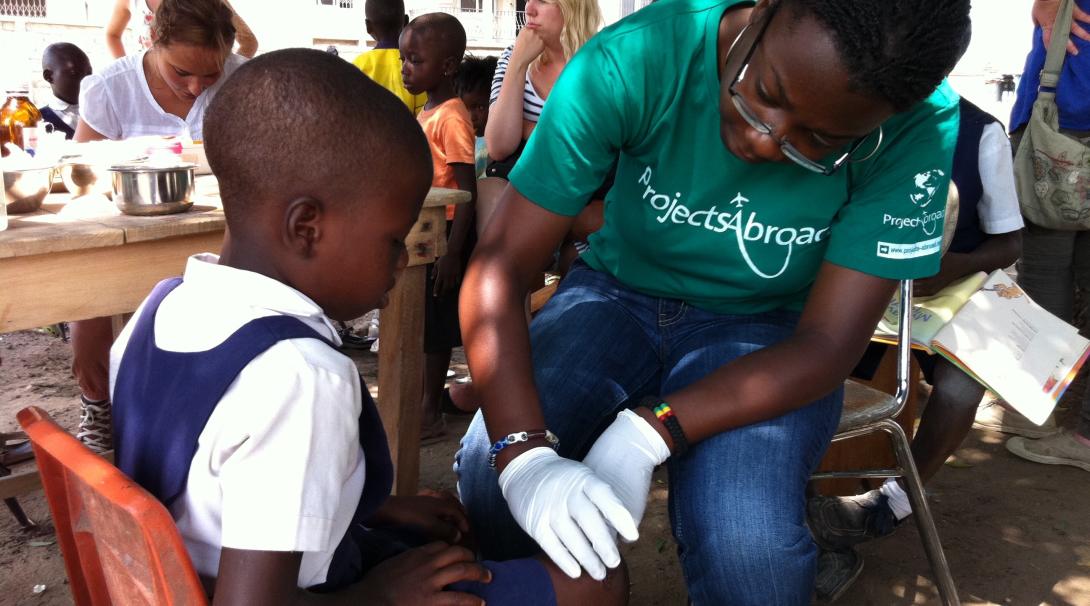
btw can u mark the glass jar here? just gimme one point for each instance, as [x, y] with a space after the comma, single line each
[19, 120]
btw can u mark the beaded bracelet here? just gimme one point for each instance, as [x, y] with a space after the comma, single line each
[520, 436]
[666, 416]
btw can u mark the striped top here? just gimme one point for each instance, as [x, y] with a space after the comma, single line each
[531, 101]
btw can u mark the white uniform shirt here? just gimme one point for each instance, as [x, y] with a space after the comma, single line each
[67, 112]
[118, 103]
[278, 466]
[998, 210]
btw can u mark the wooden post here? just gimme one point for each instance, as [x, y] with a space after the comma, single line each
[401, 375]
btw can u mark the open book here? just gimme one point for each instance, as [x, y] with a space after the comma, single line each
[990, 328]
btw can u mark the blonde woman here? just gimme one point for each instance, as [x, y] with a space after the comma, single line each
[525, 75]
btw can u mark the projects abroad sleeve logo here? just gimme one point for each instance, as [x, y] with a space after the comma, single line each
[773, 241]
[927, 221]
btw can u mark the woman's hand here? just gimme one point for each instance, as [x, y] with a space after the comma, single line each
[568, 510]
[437, 515]
[625, 455]
[418, 576]
[1044, 15]
[528, 46]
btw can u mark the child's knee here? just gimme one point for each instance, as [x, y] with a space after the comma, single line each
[611, 591]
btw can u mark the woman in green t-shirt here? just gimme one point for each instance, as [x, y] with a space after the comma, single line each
[778, 169]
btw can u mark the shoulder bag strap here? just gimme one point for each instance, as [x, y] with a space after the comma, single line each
[1057, 50]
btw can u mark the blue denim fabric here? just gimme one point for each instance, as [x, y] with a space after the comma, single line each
[737, 500]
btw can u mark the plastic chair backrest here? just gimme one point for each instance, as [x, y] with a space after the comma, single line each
[119, 543]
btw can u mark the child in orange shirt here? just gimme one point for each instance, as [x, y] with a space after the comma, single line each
[432, 47]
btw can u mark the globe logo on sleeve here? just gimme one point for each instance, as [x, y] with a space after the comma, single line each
[926, 221]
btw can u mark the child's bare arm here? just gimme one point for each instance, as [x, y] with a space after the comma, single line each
[438, 515]
[448, 269]
[414, 577]
[996, 252]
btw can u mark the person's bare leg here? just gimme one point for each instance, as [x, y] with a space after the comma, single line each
[947, 418]
[435, 378]
[611, 591]
[91, 341]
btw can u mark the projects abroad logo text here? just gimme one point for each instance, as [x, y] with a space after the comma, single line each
[749, 232]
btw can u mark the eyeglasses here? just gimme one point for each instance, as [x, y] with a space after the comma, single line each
[790, 151]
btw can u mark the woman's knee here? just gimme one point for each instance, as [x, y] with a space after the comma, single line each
[742, 561]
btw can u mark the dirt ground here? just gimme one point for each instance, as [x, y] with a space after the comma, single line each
[1014, 532]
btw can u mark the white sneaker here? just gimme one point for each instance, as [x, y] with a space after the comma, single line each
[1058, 449]
[995, 416]
[95, 425]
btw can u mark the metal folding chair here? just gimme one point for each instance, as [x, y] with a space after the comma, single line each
[867, 411]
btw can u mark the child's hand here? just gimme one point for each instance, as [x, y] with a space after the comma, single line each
[448, 275]
[437, 515]
[418, 576]
[528, 46]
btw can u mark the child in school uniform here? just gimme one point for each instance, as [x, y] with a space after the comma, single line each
[64, 66]
[232, 404]
[432, 47]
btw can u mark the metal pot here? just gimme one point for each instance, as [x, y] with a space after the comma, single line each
[26, 188]
[143, 189]
[82, 177]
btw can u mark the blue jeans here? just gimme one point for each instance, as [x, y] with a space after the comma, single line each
[737, 500]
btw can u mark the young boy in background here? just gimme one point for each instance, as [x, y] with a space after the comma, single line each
[473, 82]
[384, 20]
[432, 47]
[64, 66]
[244, 419]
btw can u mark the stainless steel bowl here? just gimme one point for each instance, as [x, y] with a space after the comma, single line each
[143, 189]
[81, 177]
[26, 188]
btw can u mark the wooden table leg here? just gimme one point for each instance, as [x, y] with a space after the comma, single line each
[401, 376]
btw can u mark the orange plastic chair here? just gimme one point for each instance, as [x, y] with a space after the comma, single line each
[119, 543]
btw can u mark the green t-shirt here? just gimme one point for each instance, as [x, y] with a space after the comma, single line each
[688, 220]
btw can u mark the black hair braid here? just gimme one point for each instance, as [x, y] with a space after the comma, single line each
[897, 49]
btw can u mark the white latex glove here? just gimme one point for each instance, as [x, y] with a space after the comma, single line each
[561, 504]
[624, 456]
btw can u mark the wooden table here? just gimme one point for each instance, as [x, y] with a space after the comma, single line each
[80, 258]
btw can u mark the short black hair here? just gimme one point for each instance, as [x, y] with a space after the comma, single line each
[475, 73]
[388, 16]
[301, 122]
[59, 50]
[897, 49]
[442, 30]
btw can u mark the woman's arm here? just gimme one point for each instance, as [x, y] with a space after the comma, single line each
[85, 133]
[503, 133]
[247, 41]
[115, 27]
[515, 247]
[1044, 16]
[839, 318]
